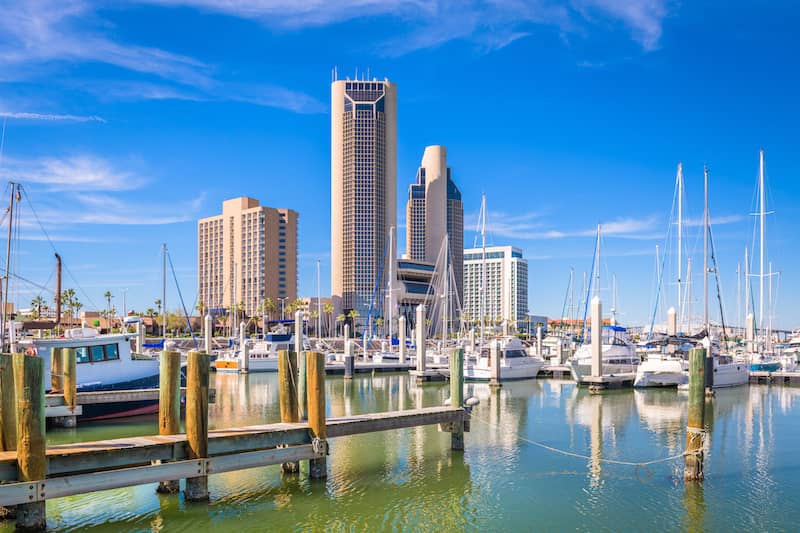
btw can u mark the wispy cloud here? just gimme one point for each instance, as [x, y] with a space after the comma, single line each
[50, 117]
[535, 226]
[52, 32]
[80, 172]
[489, 23]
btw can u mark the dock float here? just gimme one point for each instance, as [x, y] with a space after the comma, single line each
[779, 377]
[601, 383]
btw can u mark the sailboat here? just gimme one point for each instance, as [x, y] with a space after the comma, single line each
[763, 359]
[619, 354]
[729, 371]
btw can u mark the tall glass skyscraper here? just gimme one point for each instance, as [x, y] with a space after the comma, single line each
[363, 190]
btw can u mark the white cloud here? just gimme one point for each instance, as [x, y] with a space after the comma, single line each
[44, 32]
[50, 117]
[534, 226]
[491, 24]
[80, 172]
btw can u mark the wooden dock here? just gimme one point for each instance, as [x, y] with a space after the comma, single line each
[555, 371]
[89, 466]
[34, 472]
[337, 368]
[779, 377]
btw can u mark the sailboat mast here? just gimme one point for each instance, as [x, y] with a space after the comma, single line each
[597, 265]
[483, 265]
[8, 258]
[319, 303]
[705, 253]
[769, 311]
[762, 215]
[446, 290]
[614, 299]
[746, 283]
[164, 290]
[689, 295]
[680, 242]
[390, 282]
[571, 292]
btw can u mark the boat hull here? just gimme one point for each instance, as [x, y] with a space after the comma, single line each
[514, 370]
[659, 373]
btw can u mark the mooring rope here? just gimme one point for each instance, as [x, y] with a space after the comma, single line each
[584, 456]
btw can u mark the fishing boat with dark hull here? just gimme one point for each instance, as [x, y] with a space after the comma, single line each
[104, 363]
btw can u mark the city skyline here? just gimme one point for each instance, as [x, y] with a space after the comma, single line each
[126, 131]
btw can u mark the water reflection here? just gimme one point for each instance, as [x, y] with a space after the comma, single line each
[508, 479]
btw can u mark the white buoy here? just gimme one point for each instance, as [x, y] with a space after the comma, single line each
[244, 350]
[420, 327]
[401, 337]
[672, 322]
[597, 337]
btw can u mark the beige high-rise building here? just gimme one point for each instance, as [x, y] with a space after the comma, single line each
[247, 254]
[434, 209]
[363, 190]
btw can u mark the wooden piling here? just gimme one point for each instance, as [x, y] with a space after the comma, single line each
[287, 390]
[31, 459]
[197, 370]
[169, 405]
[315, 368]
[8, 406]
[70, 369]
[301, 365]
[457, 395]
[693, 466]
[56, 370]
[494, 362]
[349, 360]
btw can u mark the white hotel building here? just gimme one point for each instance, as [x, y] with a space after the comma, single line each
[506, 283]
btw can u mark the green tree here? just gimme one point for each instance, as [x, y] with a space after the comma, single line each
[38, 304]
[339, 319]
[157, 303]
[107, 295]
[328, 310]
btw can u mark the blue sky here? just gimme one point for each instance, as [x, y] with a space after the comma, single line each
[127, 121]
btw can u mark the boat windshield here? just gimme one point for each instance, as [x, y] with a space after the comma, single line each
[508, 354]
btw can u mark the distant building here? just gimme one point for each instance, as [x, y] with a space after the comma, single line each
[247, 254]
[363, 190]
[506, 284]
[433, 210]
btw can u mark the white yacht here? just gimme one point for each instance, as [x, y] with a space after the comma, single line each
[661, 370]
[515, 363]
[262, 355]
[619, 355]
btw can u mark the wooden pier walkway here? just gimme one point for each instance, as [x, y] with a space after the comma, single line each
[779, 377]
[31, 472]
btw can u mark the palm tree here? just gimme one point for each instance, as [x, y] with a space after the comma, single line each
[339, 318]
[157, 303]
[37, 304]
[270, 307]
[150, 312]
[107, 295]
[328, 310]
[352, 315]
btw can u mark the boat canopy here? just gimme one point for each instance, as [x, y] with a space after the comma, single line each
[616, 328]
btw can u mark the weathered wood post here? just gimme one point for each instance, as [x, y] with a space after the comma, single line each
[70, 368]
[693, 467]
[349, 360]
[494, 362]
[287, 390]
[301, 365]
[244, 350]
[8, 409]
[197, 370]
[140, 333]
[315, 367]
[419, 325]
[56, 370]
[597, 337]
[208, 333]
[31, 460]
[457, 395]
[401, 338]
[169, 405]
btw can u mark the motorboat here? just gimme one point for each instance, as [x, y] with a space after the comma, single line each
[661, 370]
[515, 363]
[104, 363]
[262, 354]
[619, 355]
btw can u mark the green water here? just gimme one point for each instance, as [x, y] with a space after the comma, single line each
[410, 480]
